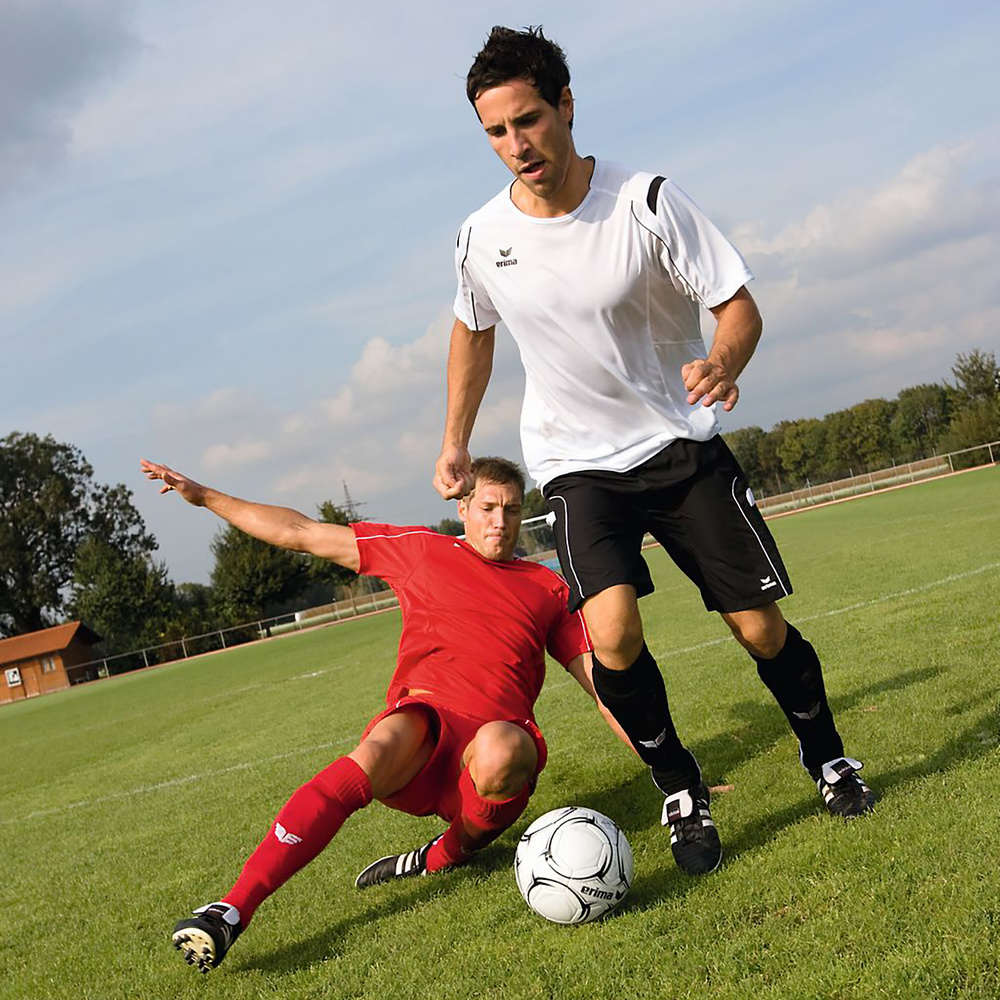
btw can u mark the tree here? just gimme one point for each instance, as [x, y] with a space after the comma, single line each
[977, 378]
[921, 417]
[802, 449]
[871, 436]
[49, 507]
[449, 526]
[746, 444]
[534, 504]
[117, 587]
[251, 578]
[972, 426]
[125, 596]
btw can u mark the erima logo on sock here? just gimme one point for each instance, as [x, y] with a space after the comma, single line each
[284, 836]
[811, 714]
[653, 744]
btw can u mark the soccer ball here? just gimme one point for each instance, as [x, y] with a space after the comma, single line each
[573, 865]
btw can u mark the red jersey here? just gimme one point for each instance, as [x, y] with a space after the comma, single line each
[475, 630]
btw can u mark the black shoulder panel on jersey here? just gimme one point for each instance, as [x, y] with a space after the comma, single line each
[654, 190]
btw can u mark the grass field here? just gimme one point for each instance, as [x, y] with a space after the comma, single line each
[125, 803]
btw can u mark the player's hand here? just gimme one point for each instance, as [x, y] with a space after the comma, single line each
[453, 477]
[708, 382]
[191, 491]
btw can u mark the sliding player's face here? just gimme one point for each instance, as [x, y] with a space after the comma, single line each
[492, 518]
[531, 137]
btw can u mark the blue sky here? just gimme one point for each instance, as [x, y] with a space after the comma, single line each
[226, 227]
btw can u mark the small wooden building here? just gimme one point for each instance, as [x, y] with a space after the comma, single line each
[46, 661]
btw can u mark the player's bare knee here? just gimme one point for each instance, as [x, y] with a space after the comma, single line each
[615, 626]
[504, 758]
[761, 632]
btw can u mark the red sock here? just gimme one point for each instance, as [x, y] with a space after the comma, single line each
[479, 823]
[306, 823]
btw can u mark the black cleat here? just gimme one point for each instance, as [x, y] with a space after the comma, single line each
[694, 840]
[396, 866]
[205, 937]
[844, 793]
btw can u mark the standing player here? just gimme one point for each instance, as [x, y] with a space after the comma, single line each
[458, 737]
[599, 272]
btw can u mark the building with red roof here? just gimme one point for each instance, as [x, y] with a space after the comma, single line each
[46, 661]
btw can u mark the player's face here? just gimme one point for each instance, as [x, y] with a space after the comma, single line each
[492, 518]
[531, 137]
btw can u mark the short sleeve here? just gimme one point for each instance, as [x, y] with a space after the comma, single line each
[472, 301]
[389, 551]
[709, 268]
[568, 636]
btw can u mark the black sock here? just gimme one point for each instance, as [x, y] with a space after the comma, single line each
[637, 699]
[795, 678]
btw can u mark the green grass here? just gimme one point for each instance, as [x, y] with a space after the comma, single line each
[127, 802]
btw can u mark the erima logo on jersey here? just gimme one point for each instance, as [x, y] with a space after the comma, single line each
[766, 583]
[284, 836]
[506, 260]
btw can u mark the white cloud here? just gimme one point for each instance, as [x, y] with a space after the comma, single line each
[874, 291]
[235, 456]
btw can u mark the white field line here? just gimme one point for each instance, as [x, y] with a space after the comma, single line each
[263, 761]
[933, 584]
[175, 782]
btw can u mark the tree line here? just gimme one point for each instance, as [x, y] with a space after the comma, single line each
[70, 546]
[922, 421]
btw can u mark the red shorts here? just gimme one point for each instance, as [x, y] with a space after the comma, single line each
[435, 788]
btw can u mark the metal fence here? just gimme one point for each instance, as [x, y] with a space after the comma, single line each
[537, 542]
[234, 635]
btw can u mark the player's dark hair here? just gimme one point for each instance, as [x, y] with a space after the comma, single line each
[501, 471]
[519, 55]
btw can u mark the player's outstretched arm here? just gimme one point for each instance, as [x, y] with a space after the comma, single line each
[470, 363]
[582, 668]
[280, 526]
[738, 328]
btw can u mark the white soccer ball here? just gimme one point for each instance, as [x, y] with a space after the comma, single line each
[573, 865]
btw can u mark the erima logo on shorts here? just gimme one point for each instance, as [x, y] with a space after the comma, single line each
[506, 259]
[751, 499]
[766, 583]
[284, 836]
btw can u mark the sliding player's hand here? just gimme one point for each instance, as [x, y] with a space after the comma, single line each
[191, 491]
[708, 383]
[453, 477]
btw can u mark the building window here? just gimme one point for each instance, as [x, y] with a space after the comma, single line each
[48, 664]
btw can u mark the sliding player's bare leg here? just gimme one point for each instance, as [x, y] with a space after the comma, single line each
[387, 758]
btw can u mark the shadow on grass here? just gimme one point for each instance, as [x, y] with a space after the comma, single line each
[385, 901]
[756, 728]
[636, 804]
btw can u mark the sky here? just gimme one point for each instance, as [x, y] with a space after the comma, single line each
[227, 226]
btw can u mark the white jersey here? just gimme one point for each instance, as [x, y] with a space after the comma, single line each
[604, 306]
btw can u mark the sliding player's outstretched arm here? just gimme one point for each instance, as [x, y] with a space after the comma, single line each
[280, 526]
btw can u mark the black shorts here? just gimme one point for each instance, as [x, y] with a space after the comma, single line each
[694, 500]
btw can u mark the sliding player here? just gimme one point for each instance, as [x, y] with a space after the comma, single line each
[458, 738]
